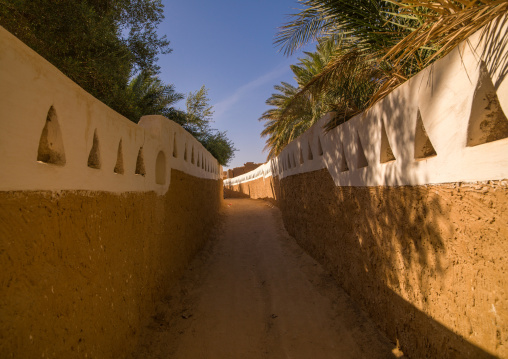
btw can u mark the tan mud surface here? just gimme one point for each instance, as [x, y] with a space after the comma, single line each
[80, 271]
[254, 293]
[428, 263]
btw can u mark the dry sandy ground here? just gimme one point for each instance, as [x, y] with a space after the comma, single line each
[254, 293]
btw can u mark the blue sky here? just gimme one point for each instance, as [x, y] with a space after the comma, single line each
[227, 45]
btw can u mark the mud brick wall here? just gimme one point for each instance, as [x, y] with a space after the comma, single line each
[428, 263]
[258, 188]
[82, 270]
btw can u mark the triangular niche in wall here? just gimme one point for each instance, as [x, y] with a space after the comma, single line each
[289, 162]
[294, 159]
[192, 155]
[423, 146]
[386, 154]
[119, 159]
[487, 122]
[175, 147]
[301, 156]
[160, 168]
[51, 149]
[310, 156]
[94, 157]
[361, 160]
[320, 148]
[140, 163]
[198, 163]
[343, 163]
[185, 153]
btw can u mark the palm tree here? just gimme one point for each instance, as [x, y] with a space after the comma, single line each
[382, 43]
[280, 127]
[294, 110]
[148, 95]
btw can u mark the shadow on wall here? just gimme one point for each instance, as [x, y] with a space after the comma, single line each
[420, 259]
[81, 270]
[494, 51]
[423, 260]
[260, 188]
[231, 193]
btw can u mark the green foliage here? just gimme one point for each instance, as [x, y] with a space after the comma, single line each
[148, 95]
[379, 44]
[198, 119]
[217, 143]
[84, 39]
[294, 110]
[281, 129]
[363, 21]
[363, 30]
[110, 48]
[199, 111]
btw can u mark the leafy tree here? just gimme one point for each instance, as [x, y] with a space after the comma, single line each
[199, 111]
[99, 44]
[110, 48]
[217, 143]
[198, 119]
[150, 96]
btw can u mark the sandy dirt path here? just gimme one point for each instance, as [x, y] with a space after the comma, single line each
[254, 293]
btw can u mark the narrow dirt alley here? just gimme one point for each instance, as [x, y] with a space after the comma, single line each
[253, 293]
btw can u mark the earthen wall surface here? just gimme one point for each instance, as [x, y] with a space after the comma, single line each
[98, 215]
[82, 269]
[258, 188]
[238, 171]
[428, 263]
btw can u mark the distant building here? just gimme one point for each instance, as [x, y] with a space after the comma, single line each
[247, 167]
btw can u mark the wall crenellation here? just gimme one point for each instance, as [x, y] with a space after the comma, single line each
[56, 136]
[446, 124]
[98, 213]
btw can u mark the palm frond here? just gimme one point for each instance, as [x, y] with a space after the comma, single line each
[449, 25]
[366, 48]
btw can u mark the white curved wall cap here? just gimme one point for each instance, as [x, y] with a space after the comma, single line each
[80, 147]
[262, 171]
[426, 131]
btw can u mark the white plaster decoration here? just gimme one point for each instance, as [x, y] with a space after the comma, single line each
[418, 134]
[47, 130]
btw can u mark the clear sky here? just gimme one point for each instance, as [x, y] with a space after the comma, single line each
[227, 45]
